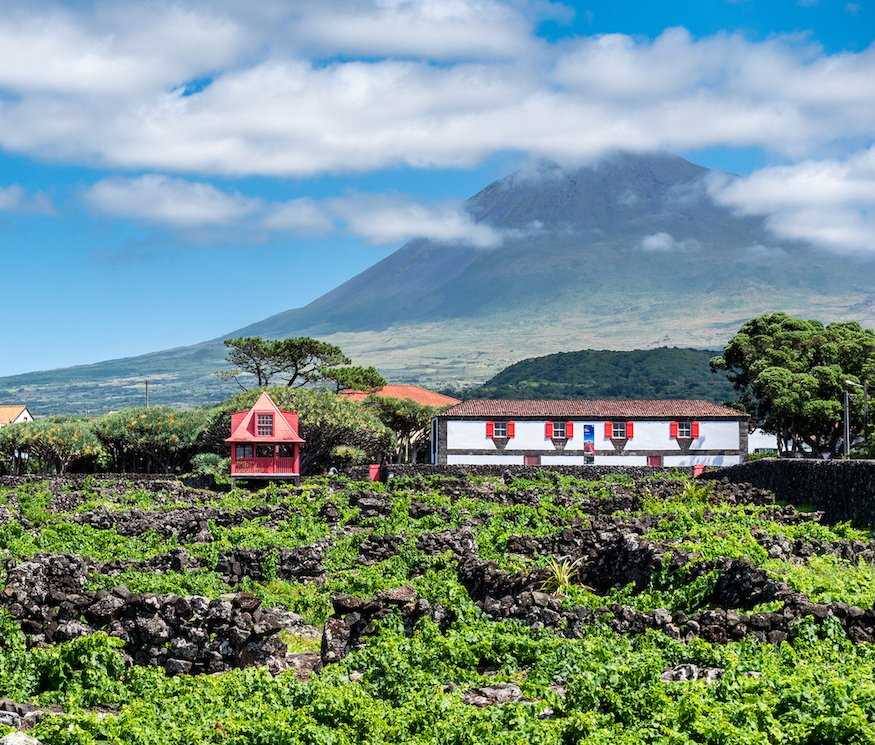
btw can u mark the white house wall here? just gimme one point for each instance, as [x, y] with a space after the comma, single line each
[648, 435]
[479, 460]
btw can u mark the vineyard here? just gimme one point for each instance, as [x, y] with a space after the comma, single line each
[432, 609]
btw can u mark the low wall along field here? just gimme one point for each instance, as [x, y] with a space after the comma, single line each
[477, 606]
[843, 489]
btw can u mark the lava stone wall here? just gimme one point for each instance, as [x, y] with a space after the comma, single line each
[843, 489]
[498, 469]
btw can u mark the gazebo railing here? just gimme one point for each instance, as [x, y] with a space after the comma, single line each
[263, 465]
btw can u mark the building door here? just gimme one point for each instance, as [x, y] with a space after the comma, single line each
[532, 460]
[654, 461]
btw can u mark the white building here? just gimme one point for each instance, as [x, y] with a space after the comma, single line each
[760, 441]
[577, 432]
[13, 414]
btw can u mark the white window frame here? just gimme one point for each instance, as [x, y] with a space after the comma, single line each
[559, 430]
[261, 428]
[685, 429]
[618, 430]
[499, 429]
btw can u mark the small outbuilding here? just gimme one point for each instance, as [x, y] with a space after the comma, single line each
[265, 443]
[14, 414]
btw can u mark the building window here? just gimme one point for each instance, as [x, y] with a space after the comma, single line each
[244, 451]
[559, 430]
[264, 451]
[685, 429]
[618, 431]
[264, 425]
[499, 429]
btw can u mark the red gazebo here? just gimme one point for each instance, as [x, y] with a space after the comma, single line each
[265, 443]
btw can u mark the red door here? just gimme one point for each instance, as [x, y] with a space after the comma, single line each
[532, 460]
[654, 461]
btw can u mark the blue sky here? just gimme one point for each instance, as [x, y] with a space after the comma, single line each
[316, 140]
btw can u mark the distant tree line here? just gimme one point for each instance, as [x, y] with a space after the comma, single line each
[160, 439]
[664, 372]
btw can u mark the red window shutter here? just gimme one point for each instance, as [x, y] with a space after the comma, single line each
[630, 430]
[548, 430]
[609, 430]
[490, 429]
[511, 429]
[673, 429]
[569, 429]
[695, 429]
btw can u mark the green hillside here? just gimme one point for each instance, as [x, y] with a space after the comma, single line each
[665, 372]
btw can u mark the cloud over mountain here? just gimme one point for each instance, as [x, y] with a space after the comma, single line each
[230, 88]
[181, 204]
[830, 203]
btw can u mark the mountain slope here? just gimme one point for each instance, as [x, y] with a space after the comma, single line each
[664, 372]
[629, 252]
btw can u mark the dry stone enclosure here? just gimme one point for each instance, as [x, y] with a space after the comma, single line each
[473, 586]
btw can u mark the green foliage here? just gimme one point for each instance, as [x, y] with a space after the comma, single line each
[344, 456]
[665, 372]
[148, 438]
[828, 579]
[409, 421]
[326, 421]
[791, 375]
[54, 443]
[353, 377]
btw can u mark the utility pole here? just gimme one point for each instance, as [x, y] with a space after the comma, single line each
[847, 432]
[865, 411]
[147, 393]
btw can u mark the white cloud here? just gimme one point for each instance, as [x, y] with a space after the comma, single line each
[657, 242]
[299, 215]
[13, 198]
[354, 85]
[440, 29]
[169, 201]
[378, 218]
[107, 48]
[828, 203]
[387, 219]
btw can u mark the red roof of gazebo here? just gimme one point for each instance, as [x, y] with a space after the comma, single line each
[285, 423]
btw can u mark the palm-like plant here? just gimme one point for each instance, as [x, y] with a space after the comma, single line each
[562, 574]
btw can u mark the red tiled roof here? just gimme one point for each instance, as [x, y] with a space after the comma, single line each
[422, 396]
[282, 428]
[9, 413]
[604, 408]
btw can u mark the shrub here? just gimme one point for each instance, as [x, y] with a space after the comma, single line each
[151, 438]
[345, 456]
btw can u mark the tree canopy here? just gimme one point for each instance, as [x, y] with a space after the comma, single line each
[409, 421]
[354, 377]
[296, 361]
[153, 438]
[791, 375]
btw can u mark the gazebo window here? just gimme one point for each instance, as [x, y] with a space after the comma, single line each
[264, 425]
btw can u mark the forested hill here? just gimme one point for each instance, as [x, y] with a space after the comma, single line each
[665, 372]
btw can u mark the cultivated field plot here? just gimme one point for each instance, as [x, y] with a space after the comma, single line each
[432, 610]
